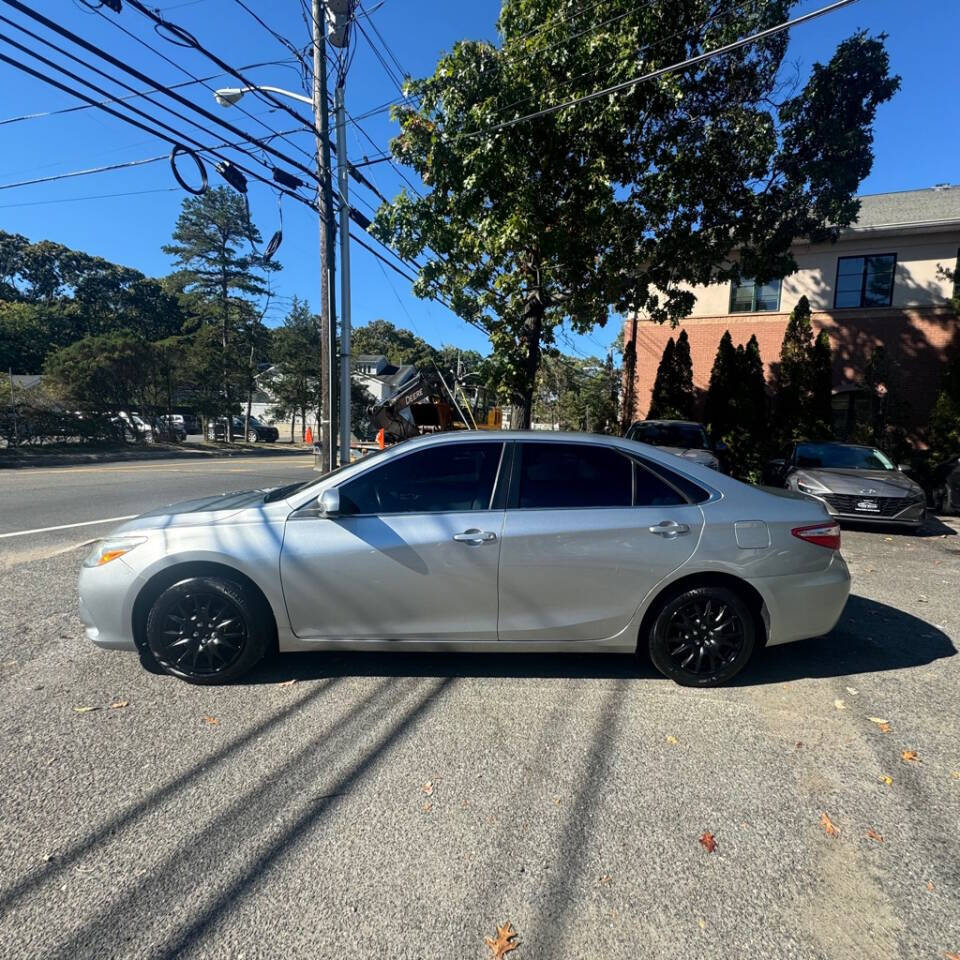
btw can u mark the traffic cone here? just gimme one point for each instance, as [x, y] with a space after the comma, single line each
[308, 436]
[381, 438]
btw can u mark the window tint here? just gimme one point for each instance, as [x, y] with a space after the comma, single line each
[865, 281]
[651, 491]
[451, 477]
[558, 475]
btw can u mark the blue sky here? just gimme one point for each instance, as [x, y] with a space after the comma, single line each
[917, 134]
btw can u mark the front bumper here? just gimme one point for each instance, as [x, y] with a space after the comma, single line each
[106, 604]
[804, 605]
[912, 513]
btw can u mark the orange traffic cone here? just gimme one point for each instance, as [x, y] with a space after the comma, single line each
[381, 438]
[308, 436]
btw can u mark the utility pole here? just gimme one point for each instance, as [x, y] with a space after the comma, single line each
[343, 169]
[328, 437]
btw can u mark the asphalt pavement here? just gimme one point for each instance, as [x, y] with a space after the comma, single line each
[403, 806]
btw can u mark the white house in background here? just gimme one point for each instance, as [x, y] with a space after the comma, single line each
[380, 378]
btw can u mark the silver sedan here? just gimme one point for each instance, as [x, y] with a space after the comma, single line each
[474, 541]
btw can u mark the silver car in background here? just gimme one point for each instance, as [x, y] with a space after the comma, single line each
[480, 541]
[684, 438]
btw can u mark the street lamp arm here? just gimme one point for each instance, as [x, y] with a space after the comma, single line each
[228, 96]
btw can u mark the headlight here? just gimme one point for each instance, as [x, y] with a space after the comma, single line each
[106, 550]
[809, 485]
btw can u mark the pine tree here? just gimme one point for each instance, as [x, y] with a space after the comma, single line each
[719, 412]
[821, 389]
[660, 397]
[684, 398]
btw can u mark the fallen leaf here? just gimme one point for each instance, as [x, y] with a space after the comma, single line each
[119, 704]
[955, 774]
[672, 739]
[873, 835]
[605, 879]
[708, 842]
[427, 807]
[211, 721]
[701, 923]
[852, 691]
[287, 683]
[828, 827]
[887, 780]
[909, 756]
[839, 704]
[922, 599]
[85, 709]
[427, 788]
[799, 744]
[952, 956]
[877, 720]
[929, 886]
[504, 941]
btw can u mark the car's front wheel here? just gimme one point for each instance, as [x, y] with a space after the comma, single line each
[207, 630]
[702, 636]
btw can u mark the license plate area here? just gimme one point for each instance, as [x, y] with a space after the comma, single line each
[868, 506]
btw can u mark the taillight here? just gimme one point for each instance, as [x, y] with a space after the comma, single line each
[822, 534]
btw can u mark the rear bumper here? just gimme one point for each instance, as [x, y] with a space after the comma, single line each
[804, 605]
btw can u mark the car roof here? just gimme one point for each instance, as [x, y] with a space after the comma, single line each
[682, 423]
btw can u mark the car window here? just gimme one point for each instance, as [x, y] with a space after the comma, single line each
[450, 477]
[650, 490]
[562, 475]
[837, 456]
[660, 433]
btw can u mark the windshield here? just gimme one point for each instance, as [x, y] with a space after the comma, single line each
[836, 456]
[279, 493]
[687, 435]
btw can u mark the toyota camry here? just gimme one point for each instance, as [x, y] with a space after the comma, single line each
[480, 541]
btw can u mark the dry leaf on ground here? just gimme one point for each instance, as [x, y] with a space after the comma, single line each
[605, 879]
[287, 683]
[427, 788]
[839, 704]
[427, 807]
[828, 826]
[672, 739]
[930, 886]
[852, 691]
[211, 721]
[709, 842]
[909, 756]
[873, 835]
[952, 956]
[119, 704]
[85, 709]
[887, 780]
[504, 942]
[955, 774]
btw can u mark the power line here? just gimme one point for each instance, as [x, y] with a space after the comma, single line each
[96, 196]
[673, 68]
[133, 96]
[276, 36]
[143, 78]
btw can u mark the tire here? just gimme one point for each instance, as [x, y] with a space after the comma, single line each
[232, 630]
[683, 646]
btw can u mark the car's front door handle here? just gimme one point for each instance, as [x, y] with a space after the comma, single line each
[669, 529]
[475, 536]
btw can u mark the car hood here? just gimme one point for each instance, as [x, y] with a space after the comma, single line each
[691, 453]
[191, 512]
[876, 483]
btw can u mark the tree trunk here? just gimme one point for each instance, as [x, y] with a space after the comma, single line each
[303, 424]
[293, 427]
[224, 341]
[530, 335]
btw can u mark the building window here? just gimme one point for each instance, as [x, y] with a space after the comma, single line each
[748, 297]
[865, 281]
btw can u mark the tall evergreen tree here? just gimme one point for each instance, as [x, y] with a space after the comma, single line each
[821, 388]
[660, 396]
[720, 412]
[214, 245]
[673, 397]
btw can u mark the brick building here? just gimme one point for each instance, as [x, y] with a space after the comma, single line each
[878, 284]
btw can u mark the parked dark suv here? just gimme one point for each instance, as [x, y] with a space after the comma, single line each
[259, 432]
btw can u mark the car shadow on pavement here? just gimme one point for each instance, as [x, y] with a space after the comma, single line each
[933, 526]
[870, 637]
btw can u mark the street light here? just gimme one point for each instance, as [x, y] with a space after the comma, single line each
[228, 96]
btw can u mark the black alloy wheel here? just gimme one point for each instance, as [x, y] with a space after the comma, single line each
[207, 630]
[702, 636]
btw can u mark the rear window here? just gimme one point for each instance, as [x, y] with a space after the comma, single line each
[691, 490]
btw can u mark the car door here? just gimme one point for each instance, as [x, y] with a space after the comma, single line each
[412, 555]
[588, 532]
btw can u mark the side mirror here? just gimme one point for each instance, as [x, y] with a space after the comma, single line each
[329, 502]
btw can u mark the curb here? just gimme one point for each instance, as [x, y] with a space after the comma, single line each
[17, 461]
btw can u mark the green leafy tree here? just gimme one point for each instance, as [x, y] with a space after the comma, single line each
[294, 378]
[577, 393]
[673, 397]
[398, 345]
[537, 214]
[943, 429]
[214, 246]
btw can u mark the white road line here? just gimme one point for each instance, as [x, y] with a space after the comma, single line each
[67, 526]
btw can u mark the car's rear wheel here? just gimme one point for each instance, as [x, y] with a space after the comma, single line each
[702, 636]
[207, 630]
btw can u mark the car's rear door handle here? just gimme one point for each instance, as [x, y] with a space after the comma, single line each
[669, 529]
[475, 536]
